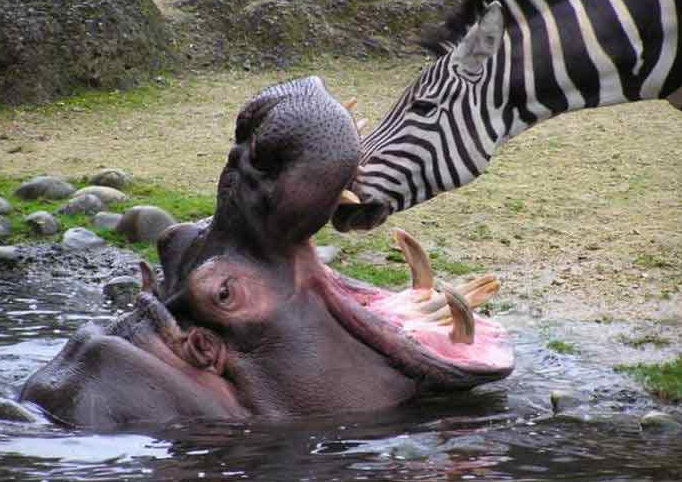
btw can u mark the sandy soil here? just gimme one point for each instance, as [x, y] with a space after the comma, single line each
[581, 217]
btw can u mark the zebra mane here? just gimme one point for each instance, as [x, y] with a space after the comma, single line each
[459, 18]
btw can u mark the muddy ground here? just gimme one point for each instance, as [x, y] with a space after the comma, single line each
[580, 217]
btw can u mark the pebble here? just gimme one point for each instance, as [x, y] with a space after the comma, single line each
[144, 223]
[122, 290]
[327, 254]
[87, 203]
[42, 223]
[14, 412]
[106, 194]
[5, 227]
[80, 239]
[9, 254]
[660, 422]
[5, 206]
[106, 220]
[48, 187]
[115, 178]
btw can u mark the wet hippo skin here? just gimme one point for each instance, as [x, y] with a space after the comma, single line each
[247, 322]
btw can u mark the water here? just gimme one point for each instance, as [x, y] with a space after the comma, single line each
[503, 431]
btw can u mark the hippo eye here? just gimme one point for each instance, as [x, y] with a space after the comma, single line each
[225, 292]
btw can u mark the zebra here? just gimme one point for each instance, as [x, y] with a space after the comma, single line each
[503, 66]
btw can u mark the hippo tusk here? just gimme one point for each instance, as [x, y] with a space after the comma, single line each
[361, 124]
[476, 292]
[349, 197]
[420, 266]
[463, 326]
[351, 103]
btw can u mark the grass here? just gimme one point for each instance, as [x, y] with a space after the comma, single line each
[663, 380]
[184, 206]
[641, 341]
[563, 347]
[375, 274]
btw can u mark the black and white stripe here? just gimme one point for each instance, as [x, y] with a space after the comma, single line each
[554, 56]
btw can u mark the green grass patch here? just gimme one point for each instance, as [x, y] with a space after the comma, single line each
[184, 206]
[651, 261]
[563, 347]
[379, 275]
[663, 380]
[640, 341]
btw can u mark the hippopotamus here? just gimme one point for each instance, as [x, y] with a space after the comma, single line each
[247, 322]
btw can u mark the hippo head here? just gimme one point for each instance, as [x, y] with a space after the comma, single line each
[248, 322]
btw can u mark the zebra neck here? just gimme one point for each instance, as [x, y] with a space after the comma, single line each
[565, 55]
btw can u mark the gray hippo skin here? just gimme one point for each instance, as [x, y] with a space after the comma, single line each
[247, 321]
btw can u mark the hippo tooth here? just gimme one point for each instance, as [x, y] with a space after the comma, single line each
[348, 197]
[463, 326]
[351, 103]
[361, 124]
[422, 273]
[476, 292]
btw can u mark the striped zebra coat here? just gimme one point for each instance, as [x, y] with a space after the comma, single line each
[502, 67]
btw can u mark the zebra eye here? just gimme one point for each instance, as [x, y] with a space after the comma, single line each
[423, 107]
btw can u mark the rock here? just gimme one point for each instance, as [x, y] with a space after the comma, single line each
[660, 422]
[80, 239]
[87, 203]
[106, 220]
[327, 254]
[5, 227]
[5, 206]
[144, 223]
[122, 290]
[9, 254]
[48, 187]
[42, 223]
[563, 400]
[14, 412]
[105, 194]
[115, 178]
[50, 49]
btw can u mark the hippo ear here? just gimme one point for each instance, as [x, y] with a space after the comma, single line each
[204, 349]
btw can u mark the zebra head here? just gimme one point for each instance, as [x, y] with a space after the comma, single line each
[430, 141]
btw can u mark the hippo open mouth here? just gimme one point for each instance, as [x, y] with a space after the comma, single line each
[248, 321]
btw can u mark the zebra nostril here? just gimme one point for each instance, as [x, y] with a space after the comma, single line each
[363, 216]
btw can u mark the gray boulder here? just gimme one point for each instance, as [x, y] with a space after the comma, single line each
[52, 48]
[87, 203]
[105, 194]
[656, 421]
[106, 220]
[42, 223]
[14, 412]
[9, 254]
[47, 187]
[122, 290]
[5, 206]
[5, 227]
[115, 178]
[144, 223]
[81, 239]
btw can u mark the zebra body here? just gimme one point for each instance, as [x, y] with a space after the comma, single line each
[504, 66]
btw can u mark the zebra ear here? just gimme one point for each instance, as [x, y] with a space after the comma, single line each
[483, 39]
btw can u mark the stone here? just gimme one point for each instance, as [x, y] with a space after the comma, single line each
[122, 290]
[47, 187]
[42, 223]
[14, 412]
[563, 400]
[87, 203]
[106, 220]
[9, 254]
[5, 227]
[327, 254]
[115, 178]
[5, 206]
[656, 421]
[80, 239]
[144, 223]
[105, 194]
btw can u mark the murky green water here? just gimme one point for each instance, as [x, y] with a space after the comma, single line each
[499, 432]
